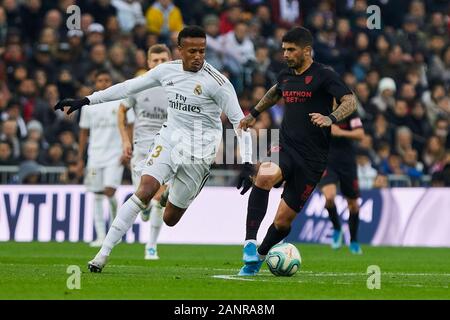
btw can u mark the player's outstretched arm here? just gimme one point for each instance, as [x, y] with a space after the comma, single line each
[270, 98]
[116, 92]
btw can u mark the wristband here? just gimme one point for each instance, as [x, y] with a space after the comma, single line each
[333, 118]
[255, 113]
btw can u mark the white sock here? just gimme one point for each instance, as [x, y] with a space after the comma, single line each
[99, 222]
[112, 207]
[156, 222]
[250, 241]
[125, 218]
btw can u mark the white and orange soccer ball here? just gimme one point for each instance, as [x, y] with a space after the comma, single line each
[284, 260]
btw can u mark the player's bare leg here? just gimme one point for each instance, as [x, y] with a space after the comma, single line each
[269, 174]
[329, 191]
[145, 214]
[156, 222]
[164, 196]
[173, 214]
[126, 216]
[353, 223]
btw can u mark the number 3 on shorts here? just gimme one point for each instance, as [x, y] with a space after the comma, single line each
[157, 152]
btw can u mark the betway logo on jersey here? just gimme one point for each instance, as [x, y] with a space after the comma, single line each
[180, 103]
[293, 96]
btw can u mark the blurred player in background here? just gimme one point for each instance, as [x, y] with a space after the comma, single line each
[308, 89]
[188, 142]
[150, 109]
[104, 169]
[342, 169]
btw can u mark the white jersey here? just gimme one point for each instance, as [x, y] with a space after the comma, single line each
[196, 101]
[105, 144]
[150, 109]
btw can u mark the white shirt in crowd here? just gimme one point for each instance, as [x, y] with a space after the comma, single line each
[366, 176]
[242, 52]
[129, 14]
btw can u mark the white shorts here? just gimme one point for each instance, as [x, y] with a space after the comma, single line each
[97, 179]
[187, 178]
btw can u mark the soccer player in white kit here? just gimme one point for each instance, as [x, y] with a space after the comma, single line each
[150, 108]
[98, 124]
[197, 94]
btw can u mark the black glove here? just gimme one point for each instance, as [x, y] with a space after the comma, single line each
[74, 104]
[245, 177]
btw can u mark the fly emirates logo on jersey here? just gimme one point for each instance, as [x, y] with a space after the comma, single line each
[294, 96]
[180, 103]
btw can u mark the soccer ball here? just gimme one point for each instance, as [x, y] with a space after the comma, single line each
[284, 260]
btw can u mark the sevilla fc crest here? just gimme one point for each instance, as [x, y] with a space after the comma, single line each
[308, 79]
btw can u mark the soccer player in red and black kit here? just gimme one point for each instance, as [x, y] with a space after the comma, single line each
[308, 89]
[342, 169]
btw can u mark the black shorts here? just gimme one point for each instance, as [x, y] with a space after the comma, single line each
[300, 176]
[346, 176]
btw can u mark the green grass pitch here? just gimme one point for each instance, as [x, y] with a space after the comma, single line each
[39, 271]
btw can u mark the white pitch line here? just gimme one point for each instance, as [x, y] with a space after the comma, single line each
[333, 274]
[280, 279]
[229, 277]
[309, 273]
[274, 279]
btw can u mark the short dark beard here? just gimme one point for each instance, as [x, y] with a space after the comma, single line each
[299, 64]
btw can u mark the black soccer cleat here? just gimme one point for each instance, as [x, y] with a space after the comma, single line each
[94, 268]
[98, 263]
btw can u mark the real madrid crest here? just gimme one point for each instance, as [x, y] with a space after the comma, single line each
[198, 90]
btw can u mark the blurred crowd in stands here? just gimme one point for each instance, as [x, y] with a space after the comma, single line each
[400, 73]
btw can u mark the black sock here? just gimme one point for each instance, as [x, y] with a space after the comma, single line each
[273, 236]
[334, 217]
[353, 222]
[256, 210]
